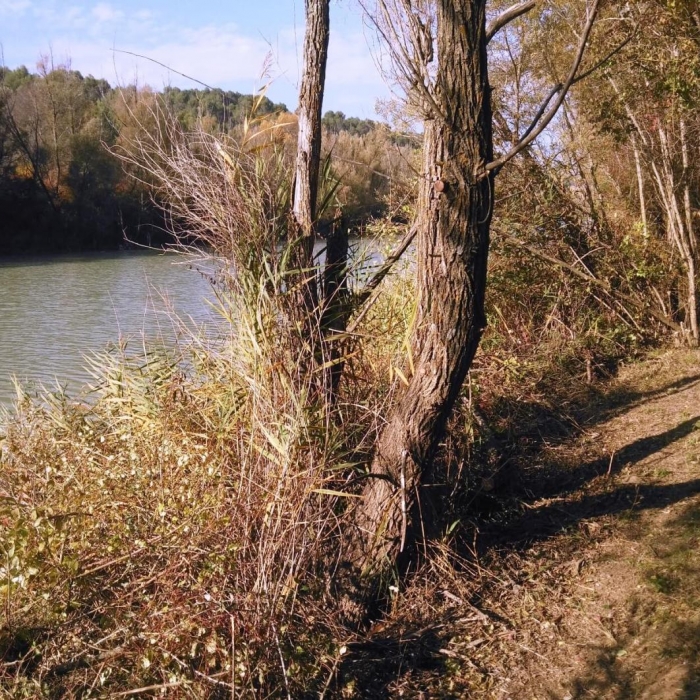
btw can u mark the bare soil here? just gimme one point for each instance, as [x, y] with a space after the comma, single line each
[583, 581]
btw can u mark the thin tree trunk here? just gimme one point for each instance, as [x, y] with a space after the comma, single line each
[305, 308]
[453, 223]
[683, 235]
[309, 114]
[336, 308]
[640, 185]
[686, 188]
[593, 196]
[693, 301]
[690, 233]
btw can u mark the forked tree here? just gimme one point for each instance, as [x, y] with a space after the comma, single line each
[438, 51]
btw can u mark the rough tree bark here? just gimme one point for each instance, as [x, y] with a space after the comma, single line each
[454, 207]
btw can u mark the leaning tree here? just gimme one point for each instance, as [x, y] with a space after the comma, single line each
[438, 53]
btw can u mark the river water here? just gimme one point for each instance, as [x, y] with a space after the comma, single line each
[55, 310]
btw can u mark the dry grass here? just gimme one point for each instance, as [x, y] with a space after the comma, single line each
[180, 529]
[173, 532]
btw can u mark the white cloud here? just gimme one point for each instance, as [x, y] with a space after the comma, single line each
[61, 18]
[104, 12]
[349, 61]
[219, 55]
[14, 7]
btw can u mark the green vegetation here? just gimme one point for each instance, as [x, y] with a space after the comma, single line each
[59, 187]
[227, 109]
[62, 188]
[283, 511]
[337, 122]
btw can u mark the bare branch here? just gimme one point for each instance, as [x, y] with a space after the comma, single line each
[409, 44]
[541, 111]
[507, 16]
[543, 118]
[616, 295]
[166, 66]
[630, 114]
[368, 290]
[604, 60]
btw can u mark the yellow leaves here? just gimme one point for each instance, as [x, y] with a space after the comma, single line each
[333, 492]
[24, 171]
[395, 370]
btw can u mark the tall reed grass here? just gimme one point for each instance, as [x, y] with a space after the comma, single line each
[179, 532]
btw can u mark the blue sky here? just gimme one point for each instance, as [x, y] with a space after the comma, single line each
[222, 43]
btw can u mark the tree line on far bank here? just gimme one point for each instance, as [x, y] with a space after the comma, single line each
[276, 515]
[62, 189]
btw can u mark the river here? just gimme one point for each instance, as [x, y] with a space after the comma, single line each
[55, 310]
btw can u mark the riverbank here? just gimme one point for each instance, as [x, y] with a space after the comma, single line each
[588, 585]
[572, 571]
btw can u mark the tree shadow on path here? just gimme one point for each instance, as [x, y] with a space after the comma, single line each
[540, 504]
[656, 650]
[540, 521]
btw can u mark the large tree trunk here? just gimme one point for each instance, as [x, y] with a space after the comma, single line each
[454, 217]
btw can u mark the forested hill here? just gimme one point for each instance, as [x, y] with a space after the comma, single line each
[227, 108]
[61, 189]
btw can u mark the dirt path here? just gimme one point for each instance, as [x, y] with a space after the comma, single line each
[583, 581]
[624, 620]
